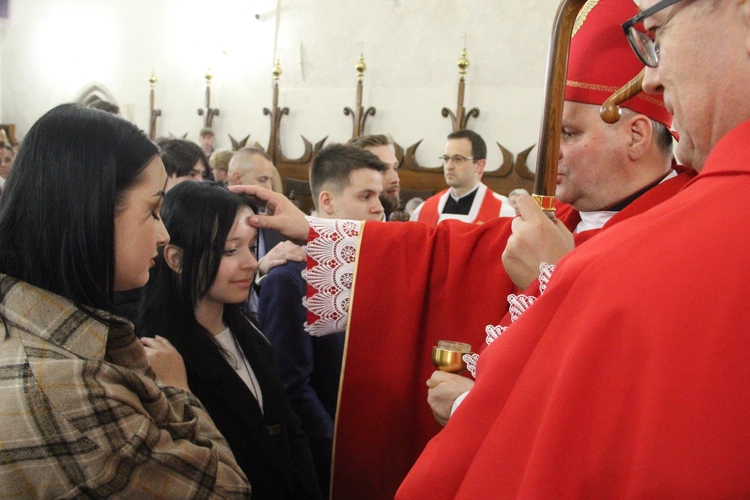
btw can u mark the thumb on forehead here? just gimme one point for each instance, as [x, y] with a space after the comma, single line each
[529, 208]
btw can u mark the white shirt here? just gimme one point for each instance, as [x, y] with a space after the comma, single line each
[237, 360]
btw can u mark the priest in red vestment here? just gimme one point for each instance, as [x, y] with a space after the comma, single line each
[606, 173]
[629, 376]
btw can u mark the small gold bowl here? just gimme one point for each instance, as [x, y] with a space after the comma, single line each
[448, 356]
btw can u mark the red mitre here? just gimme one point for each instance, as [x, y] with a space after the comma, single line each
[601, 60]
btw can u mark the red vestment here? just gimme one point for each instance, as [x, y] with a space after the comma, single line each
[647, 200]
[629, 376]
[383, 420]
[422, 285]
[487, 205]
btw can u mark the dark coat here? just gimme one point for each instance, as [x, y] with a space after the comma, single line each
[270, 447]
[310, 367]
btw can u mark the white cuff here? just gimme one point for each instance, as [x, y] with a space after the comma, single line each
[458, 402]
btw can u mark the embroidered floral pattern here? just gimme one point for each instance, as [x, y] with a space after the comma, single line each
[494, 332]
[471, 363]
[333, 252]
[518, 304]
[545, 273]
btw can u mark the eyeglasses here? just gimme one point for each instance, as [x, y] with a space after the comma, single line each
[643, 45]
[455, 158]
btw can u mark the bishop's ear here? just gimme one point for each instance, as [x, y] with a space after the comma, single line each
[173, 256]
[640, 133]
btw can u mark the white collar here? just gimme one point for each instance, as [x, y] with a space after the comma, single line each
[595, 220]
[450, 192]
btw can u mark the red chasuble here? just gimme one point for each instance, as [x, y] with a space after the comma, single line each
[424, 285]
[629, 377]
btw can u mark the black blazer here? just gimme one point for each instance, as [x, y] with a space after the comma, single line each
[270, 447]
[309, 367]
[271, 238]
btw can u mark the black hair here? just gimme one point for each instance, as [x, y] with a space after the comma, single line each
[57, 213]
[106, 107]
[199, 217]
[478, 146]
[180, 156]
[334, 163]
[663, 137]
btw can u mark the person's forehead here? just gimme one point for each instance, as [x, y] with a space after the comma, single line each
[260, 163]
[382, 149]
[155, 176]
[459, 145]
[241, 228]
[364, 178]
[580, 112]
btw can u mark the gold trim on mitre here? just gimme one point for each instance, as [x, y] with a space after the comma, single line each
[612, 90]
[581, 18]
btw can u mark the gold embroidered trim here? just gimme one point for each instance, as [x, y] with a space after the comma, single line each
[581, 18]
[609, 88]
[592, 86]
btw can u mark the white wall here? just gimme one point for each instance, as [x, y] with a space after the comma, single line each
[51, 49]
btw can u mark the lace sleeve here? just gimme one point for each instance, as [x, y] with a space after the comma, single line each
[331, 250]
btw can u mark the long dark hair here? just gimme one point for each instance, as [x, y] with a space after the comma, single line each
[180, 156]
[199, 218]
[57, 213]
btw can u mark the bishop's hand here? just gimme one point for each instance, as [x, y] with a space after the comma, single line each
[535, 239]
[281, 214]
[445, 388]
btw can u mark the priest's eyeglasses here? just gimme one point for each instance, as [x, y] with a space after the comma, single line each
[643, 45]
[456, 159]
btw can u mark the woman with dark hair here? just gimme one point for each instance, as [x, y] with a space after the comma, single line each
[196, 299]
[184, 161]
[82, 410]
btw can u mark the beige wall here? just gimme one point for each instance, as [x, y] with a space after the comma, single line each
[51, 49]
